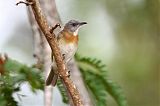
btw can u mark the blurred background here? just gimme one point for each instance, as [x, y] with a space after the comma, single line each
[124, 34]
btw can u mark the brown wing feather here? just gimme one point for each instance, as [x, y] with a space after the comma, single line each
[52, 78]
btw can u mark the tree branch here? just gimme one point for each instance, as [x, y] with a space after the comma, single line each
[43, 52]
[42, 22]
[78, 80]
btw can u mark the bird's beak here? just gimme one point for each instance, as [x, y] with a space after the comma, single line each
[82, 23]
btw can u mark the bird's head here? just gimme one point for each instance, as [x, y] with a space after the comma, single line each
[73, 26]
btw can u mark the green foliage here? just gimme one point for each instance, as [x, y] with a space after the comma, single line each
[15, 74]
[93, 72]
[95, 78]
[63, 92]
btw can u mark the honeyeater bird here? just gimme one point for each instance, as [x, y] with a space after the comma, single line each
[67, 40]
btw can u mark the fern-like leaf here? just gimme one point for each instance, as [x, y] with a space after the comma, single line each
[95, 77]
[14, 74]
[63, 92]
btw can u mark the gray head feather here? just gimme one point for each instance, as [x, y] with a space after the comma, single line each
[73, 25]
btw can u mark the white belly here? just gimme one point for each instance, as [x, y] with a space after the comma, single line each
[69, 51]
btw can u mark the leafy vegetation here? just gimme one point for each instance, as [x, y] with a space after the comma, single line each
[14, 75]
[93, 72]
[95, 77]
[63, 92]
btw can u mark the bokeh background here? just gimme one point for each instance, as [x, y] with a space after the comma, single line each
[124, 34]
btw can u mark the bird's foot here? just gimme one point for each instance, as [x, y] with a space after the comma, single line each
[63, 56]
[68, 73]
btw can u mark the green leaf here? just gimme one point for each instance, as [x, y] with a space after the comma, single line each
[15, 74]
[96, 79]
[116, 92]
[3, 101]
[22, 72]
[63, 92]
[96, 88]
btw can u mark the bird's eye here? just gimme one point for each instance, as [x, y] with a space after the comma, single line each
[74, 24]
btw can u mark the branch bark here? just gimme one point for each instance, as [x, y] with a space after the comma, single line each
[42, 51]
[78, 80]
[42, 22]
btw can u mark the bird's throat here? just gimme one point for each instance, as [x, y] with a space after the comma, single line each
[75, 33]
[70, 37]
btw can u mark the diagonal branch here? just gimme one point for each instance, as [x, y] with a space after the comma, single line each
[43, 52]
[42, 22]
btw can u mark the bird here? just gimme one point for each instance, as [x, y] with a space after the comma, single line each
[67, 40]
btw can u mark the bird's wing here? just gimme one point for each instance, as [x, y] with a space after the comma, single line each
[52, 77]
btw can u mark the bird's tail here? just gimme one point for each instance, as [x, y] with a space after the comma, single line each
[52, 78]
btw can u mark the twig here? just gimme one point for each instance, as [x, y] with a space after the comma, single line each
[26, 3]
[42, 22]
[53, 28]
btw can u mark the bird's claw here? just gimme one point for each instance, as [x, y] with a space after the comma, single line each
[63, 56]
[68, 73]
